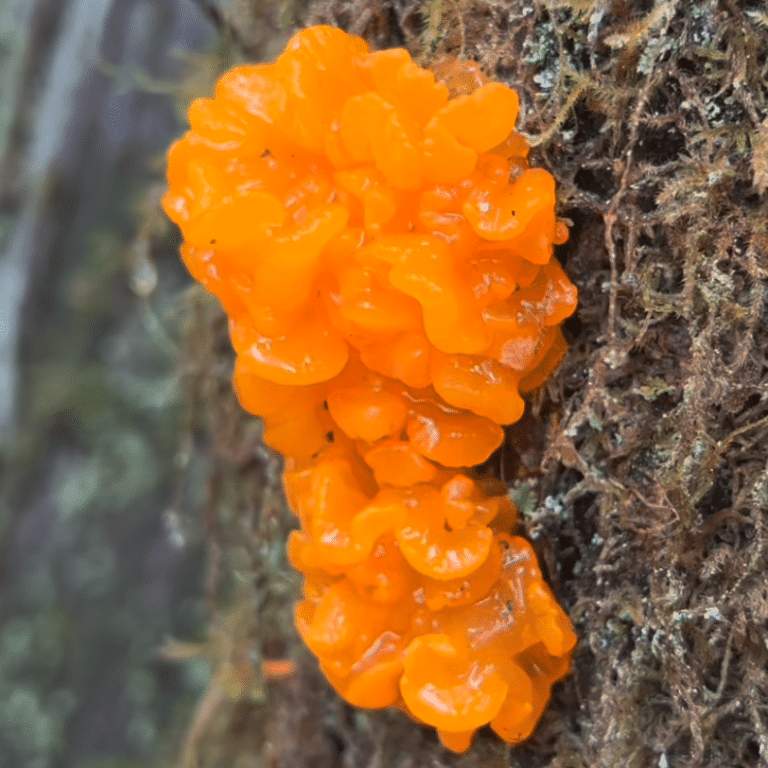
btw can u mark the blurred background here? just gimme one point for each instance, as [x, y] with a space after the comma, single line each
[100, 464]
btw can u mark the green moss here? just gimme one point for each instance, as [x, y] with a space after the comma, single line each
[647, 498]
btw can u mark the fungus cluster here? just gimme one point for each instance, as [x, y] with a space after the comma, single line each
[384, 253]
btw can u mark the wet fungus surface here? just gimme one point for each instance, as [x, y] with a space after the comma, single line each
[384, 253]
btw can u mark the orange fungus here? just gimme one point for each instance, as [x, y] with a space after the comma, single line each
[384, 252]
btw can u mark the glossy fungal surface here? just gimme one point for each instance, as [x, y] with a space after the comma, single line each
[384, 253]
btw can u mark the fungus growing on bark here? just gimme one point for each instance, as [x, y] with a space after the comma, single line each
[384, 253]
